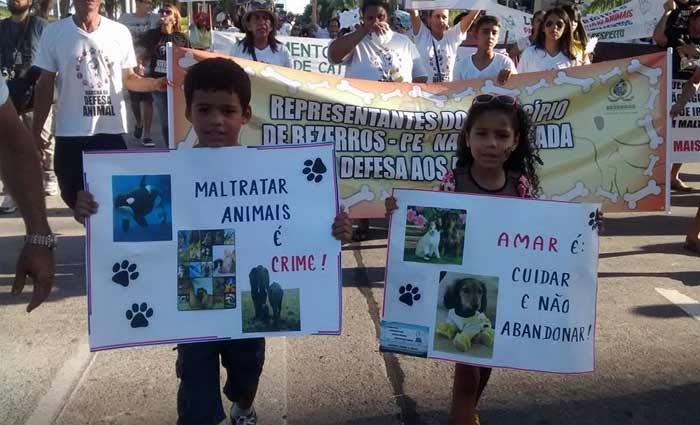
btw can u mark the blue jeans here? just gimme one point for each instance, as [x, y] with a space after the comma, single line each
[160, 99]
[199, 394]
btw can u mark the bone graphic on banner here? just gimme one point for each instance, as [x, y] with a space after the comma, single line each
[465, 93]
[654, 139]
[187, 61]
[490, 87]
[292, 85]
[345, 86]
[652, 98]
[539, 85]
[653, 159]
[384, 194]
[650, 189]
[652, 74]
[438, 99]
[317, 86]
[610, 196]
[608, 75]
[390, 95]
[250, 71]
[585, 83]
[365, 194]
[578, 190]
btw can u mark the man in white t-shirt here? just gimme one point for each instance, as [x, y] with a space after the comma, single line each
[374, 52]
[91, 58]
[20, 163]
[486, 63]
[438, 43]
[141, 103]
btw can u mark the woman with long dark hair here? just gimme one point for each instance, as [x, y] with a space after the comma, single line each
[523, 43]
[553, 47]
[580, 36]
[154, 41]
[260, 43]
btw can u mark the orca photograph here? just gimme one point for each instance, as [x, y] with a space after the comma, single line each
[142, 208]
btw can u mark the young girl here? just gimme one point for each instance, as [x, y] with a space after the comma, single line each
[496, 156]
[553, 47]
[578, 31]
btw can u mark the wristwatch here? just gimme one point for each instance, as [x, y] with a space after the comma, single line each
[48, 241]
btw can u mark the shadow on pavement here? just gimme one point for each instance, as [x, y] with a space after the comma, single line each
[662, 311]
[661, 248]
[645, 225]
[366, 277]
[690, 199]
[687, 278]
[651, 407]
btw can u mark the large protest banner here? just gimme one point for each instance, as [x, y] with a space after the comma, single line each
[208, 244]
[308, 54]
[469, 280]
[685, 130]
[601, 128]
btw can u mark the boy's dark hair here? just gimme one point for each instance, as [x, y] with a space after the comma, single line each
[524, 159]
[487, 20]
[377, 3]
[217, 74]
[566, 42]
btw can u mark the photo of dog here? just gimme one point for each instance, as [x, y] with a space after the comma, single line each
[466, 314]
[268, 307]
[224, 261]
[434, 235]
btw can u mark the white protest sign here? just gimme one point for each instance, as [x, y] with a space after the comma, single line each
[685, 129]
[632, 20]
[349, 18]
[308, 54]
[206, 244]
[492, 281]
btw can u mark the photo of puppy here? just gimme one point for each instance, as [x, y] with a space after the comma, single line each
[434, 235]
[224, 261]
[466, 314]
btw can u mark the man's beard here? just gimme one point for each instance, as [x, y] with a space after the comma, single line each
[17, 10]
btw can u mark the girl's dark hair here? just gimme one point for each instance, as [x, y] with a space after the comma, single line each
[217, 74]
[524, 159]
[566, 42]
[534, 15]
[249, 39]
[575, 16]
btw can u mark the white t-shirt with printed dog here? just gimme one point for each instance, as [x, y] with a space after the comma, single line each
[444, 49]
[89, 75]
[397, 59]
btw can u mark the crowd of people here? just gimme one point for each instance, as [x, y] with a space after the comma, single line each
[82, 66]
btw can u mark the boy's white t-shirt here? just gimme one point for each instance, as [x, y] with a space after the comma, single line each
[445, 49]
[4, 91]
[466, 70]
[89, 75]
[534, 59]
[281, 57]
[396, 60]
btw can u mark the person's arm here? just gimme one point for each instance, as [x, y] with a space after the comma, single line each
[689, 89]
[342, 47]
[660, 30]
[468, 20]
[43, 98]
[21, 171]
[416, 22]
[134, 82]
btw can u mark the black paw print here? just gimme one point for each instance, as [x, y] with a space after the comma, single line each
[409, 294]
[594, 219]
[138, 314]
[124, 273]
[314, 170]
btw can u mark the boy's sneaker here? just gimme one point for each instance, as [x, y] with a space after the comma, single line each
[148, 142]
[137, 132]
[249, 419]
[8, 205]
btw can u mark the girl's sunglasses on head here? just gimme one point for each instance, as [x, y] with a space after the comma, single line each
[558, 24]
[488, 98]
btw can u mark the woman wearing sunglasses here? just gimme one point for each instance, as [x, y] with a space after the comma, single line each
[154, 42]
[553, 47]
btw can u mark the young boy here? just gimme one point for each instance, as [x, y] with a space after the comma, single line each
[486, 63]
[217, 95]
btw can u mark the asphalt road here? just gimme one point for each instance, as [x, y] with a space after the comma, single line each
[647, 362]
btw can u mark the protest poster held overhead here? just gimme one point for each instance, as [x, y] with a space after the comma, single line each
[468, 280]
[685, 129]
[205, 244]
[601, 129]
